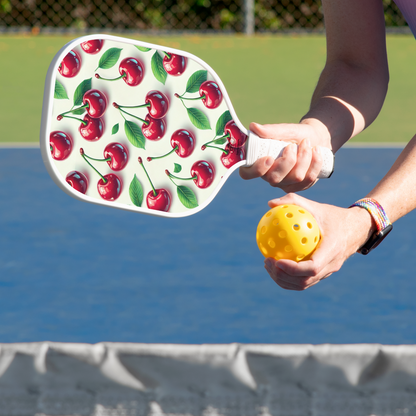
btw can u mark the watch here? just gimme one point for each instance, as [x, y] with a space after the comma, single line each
[384, 226]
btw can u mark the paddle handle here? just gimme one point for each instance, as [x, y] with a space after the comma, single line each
[258, 148]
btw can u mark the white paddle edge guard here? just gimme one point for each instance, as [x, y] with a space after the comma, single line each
[47, 114]
[258, 147]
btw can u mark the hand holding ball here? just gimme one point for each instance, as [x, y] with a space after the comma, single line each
[288, 232]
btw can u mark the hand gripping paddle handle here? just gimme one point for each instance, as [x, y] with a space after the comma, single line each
[258, 148]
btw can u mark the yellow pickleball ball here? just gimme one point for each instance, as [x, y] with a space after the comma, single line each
[288, 232]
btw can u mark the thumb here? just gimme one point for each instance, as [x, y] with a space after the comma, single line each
[288, 132]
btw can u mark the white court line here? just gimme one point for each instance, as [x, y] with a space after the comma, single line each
[18, 145]
[375, 145]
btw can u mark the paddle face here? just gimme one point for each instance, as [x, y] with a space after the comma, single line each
[138, 126]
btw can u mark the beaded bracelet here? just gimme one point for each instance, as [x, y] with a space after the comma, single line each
[383, 224]
[375, 210]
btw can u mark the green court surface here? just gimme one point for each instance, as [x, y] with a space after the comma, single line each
[270, 79]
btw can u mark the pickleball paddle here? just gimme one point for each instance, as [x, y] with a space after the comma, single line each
[143, 127]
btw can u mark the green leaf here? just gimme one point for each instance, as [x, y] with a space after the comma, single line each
[143, 48]
[177, 168]
[221, 140]
[198, 119]
[114, 130]
[60, 92]
[109, 58]
[78, 111]
[81, 90]
[222, 121]
[195, 80]
[187, 197]
[136, 192]
[157, 68]
[134, 134]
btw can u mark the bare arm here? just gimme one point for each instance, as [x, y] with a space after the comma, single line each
[348, 97]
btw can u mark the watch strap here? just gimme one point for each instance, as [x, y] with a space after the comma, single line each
[379, 216]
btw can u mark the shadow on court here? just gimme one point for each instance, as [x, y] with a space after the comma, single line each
[76, 272]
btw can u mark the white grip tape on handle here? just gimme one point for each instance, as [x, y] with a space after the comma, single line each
[258, 148]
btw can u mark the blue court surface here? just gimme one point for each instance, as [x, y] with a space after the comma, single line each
[76, 272]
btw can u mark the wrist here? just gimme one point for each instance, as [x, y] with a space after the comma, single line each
[364, 226]
[322, 137]
[380, 220]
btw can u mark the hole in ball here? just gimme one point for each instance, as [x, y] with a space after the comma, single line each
[304, 240]
[296, 227]
[309, 225]
[263, 229]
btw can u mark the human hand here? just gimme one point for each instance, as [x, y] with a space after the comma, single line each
[299, 166]
[343, 232]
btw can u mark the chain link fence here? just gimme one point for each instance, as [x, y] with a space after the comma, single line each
[170, 15]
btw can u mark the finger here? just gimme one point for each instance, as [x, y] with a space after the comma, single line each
[298, 179]
[282, 166]
[284, 280]
[258, 169]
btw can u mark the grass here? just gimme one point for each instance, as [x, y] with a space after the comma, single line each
[270, 79]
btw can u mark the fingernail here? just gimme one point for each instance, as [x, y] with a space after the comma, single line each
[269, 161]
[308, 142]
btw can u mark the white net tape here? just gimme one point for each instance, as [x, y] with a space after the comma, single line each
[208, 380]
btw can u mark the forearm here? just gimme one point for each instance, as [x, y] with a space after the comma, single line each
[346, 101]
[396, 192]
[353, 85]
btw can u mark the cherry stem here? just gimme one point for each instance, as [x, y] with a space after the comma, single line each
[108, 79]
[226, 136]
[215, 147]
[167, 55]
[84, 156]
[181, 179]
[98, 160]
[134, 106]
[131, 115]
[167, 154]
[148, 177]
[190, 99]
[61, 116]
[75, 109]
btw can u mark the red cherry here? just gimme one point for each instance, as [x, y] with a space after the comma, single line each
[159, 104]
[233, 156]
[236, 137]
[160, 202]
[203, 174]
[92, 46]
[70, 65]
[174, 64]
[132, 71]
[97, 103]
[78, 181]
[154, 128]
[61, 145]
[109, 189]
[93, 130]
[184, 141]
[118, 155]
[212, 93]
